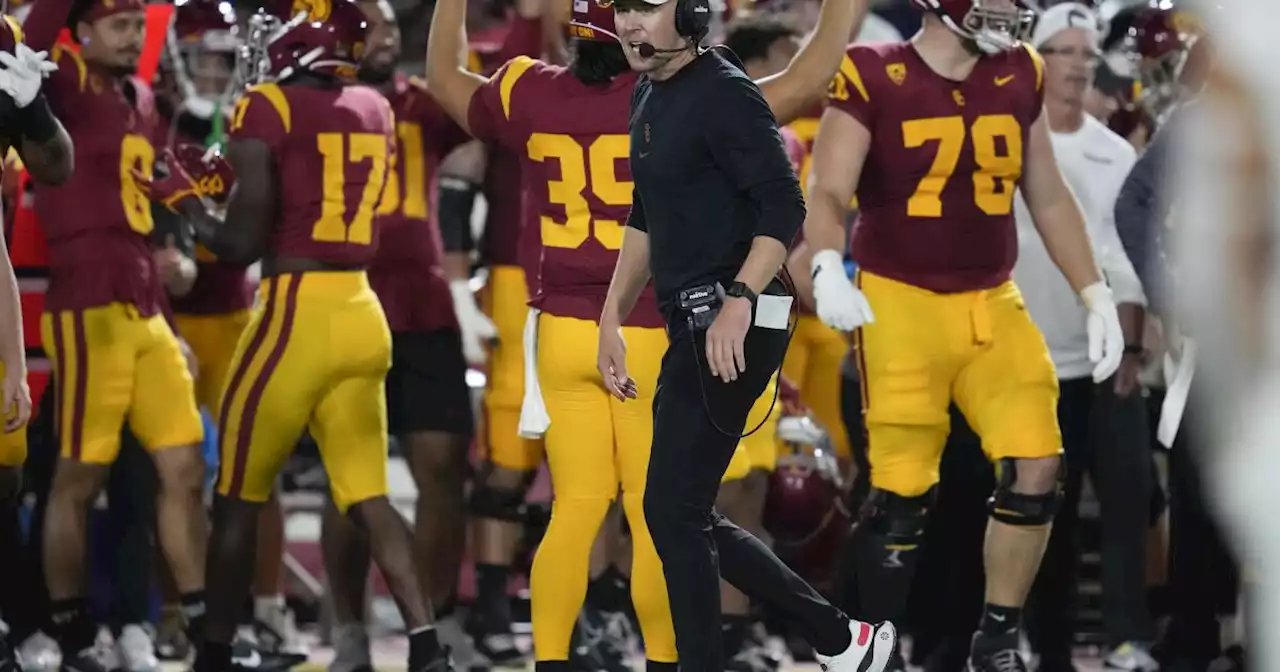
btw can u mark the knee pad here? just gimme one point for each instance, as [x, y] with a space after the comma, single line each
[1015, 508]
[901, 520]
[491, 500]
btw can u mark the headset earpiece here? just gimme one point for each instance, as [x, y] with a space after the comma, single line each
[693, 18]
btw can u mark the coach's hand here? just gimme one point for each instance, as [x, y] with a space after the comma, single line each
[611, 360]
[17, 398]
[840, 305]
[1106, 338]
[725, 355]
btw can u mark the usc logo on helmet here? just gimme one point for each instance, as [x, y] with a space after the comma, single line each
[316, 10]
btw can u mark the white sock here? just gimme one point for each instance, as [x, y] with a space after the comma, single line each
[266, 605]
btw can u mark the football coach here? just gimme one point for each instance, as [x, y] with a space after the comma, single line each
[715, 207]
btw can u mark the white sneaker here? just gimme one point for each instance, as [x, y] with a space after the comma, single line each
[1131, 656]
[276, 629]
[135, 650]
[874, 643]
[39, 653]
[461, 649]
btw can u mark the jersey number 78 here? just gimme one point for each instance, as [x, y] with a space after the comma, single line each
[998, 167]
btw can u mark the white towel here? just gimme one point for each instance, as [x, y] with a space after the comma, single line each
[534, 420]
[1178, 374]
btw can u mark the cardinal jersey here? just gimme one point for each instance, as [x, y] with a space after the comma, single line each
[332, 149]
[115, 358]
[97, 223]
[315, 354]
[406, 272]
[577, 177]
[936, 193]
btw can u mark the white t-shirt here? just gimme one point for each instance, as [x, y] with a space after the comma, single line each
[1094, 161]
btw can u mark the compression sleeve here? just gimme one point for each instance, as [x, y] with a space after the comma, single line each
[457, 199]
[744, 142]
[635, 218]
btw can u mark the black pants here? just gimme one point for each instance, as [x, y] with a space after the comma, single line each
[1107, 437]
[131, 515]
[1203, 577]
[697, 545]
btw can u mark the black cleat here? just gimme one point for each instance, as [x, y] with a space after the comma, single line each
[1000, 653]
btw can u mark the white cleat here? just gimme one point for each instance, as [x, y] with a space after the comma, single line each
[135, 650]
[869, 651]
[39, 653]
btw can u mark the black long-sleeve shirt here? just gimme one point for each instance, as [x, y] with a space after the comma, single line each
[710, 172]
[1141, 210]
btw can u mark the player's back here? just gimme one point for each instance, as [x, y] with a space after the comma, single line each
[331, 148]
[936, 190]
[577, 179]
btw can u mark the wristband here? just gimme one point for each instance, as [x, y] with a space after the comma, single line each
[1134, 350]
[36, 121]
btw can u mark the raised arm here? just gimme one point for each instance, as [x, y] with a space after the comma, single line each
[448, 79]
[796, 89]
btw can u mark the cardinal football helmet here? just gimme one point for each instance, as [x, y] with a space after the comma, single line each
[992, 25]
[324, 37]
[593, 21]
[200, 53]
[1159, 42]
[208, 168]
[803, 509]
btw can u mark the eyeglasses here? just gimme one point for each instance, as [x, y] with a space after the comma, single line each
[1091, 55]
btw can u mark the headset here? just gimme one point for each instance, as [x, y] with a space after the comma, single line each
[693, 18]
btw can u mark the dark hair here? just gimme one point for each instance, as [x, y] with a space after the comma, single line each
[752, 37]
[597, 63]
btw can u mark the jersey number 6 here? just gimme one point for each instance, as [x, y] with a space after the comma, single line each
[998, 171]
[575, 160]
[338, 150]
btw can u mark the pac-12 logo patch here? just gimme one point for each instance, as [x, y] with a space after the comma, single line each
[897, 72]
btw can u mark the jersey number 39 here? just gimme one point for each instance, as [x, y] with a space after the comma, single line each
[576, 161]
[998, 167]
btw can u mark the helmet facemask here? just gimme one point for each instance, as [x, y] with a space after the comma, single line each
[205, 70]
[991, 28]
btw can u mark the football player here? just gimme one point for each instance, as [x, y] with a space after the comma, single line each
[934, 135]
[428, 402]
[211, 298]
[574, 156]
[114, 355]
[310, 151]
[46, 151]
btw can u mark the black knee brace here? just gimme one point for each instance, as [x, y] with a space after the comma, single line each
[499, 503]
[899, 519]
[884, 550]
[1015, 508]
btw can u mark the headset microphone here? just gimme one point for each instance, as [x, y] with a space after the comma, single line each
[649, 51]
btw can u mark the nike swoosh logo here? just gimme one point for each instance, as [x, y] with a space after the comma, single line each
[1001, 81]
[644, 154]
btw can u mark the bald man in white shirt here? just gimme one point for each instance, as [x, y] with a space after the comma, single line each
[1104, 428]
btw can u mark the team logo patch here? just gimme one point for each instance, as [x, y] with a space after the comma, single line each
[897, 72]
[316, 10]
[958, 97]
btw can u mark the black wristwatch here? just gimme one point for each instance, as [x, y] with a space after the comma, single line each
[740, 290]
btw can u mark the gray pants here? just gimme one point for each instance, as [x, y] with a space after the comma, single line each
[1107, 437]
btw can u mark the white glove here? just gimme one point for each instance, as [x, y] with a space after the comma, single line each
[1106, 339]
[24, 71]
[840, 304]
[476, 328]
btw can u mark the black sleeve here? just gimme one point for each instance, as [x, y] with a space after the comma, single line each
[745, 144]
[1141, 208]
[457, 200]
[635, 218]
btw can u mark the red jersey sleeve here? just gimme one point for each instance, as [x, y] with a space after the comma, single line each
[495, 114]
[849, 91]
[263, 114]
